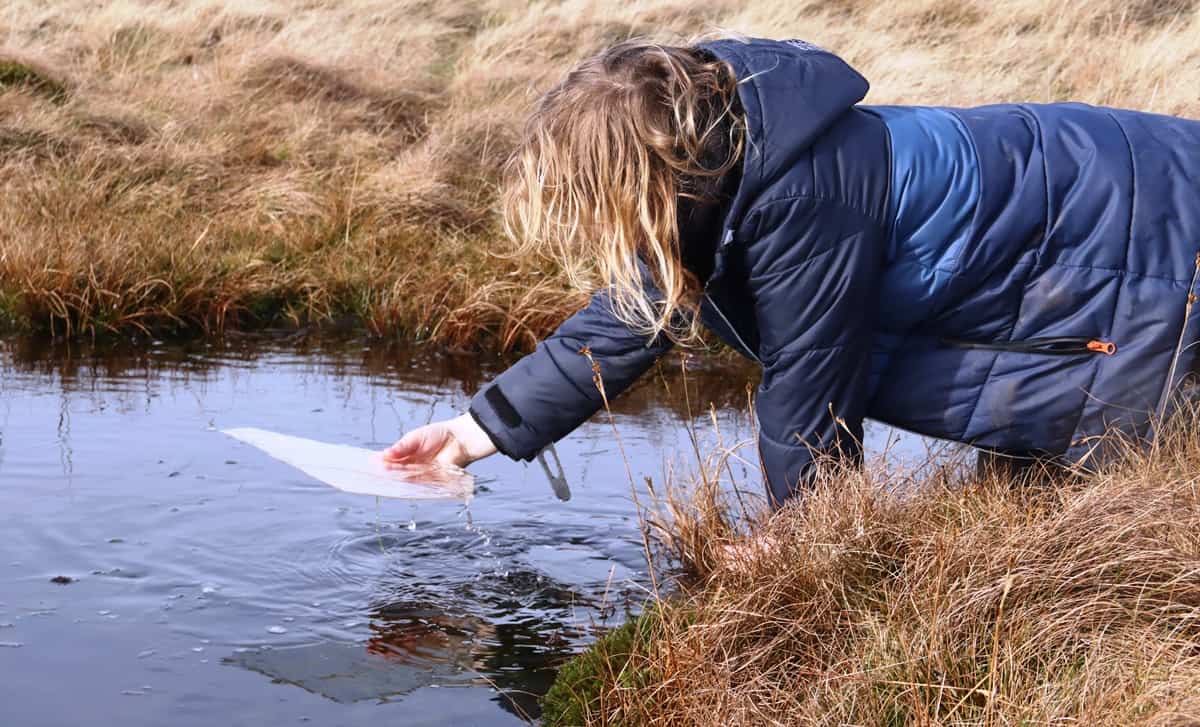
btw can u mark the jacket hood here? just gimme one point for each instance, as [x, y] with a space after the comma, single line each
[791, 91]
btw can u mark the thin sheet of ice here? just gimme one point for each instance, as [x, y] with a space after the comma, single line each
[360, 471]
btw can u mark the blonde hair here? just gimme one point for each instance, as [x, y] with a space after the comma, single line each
[604, 161]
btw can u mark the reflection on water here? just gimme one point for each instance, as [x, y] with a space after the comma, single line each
[211, 582]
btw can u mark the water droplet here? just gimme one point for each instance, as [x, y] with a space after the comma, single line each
[412, 524]
[146, 654]
[103, 613]
[204, 661]
[197, 649]
[210, 589]
[276, 630]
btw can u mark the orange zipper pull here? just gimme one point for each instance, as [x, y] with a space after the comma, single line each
[1107, 348]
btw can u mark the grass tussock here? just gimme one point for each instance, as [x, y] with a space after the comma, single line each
[208, 164]
[951, 600]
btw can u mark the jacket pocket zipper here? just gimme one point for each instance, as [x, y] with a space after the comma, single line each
[1061, 346]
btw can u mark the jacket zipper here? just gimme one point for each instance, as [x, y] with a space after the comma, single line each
[726, 241]
[1060, 346]
[732, 330]
[1187, 314]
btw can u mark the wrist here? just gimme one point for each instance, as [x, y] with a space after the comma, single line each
[471, 437]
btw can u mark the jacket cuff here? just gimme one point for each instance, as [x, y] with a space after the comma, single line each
[788, 469]
[495, 415]
[497, 442]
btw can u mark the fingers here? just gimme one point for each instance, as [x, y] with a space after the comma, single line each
[403, 450]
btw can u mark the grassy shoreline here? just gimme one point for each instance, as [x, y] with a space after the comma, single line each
[945, 599]
[206, 166]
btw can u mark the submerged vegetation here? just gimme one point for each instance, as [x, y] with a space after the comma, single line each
[942, 598]
[210, 165]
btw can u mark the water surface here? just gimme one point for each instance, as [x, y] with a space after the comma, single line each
[212, 584]
[154, 571]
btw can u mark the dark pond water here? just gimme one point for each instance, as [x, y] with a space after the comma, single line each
[211, 584]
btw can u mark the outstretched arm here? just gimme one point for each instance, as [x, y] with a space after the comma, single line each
[542, 397]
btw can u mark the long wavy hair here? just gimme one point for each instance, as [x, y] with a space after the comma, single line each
[604, 161]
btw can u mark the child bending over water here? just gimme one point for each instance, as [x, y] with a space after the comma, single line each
[1017, 277]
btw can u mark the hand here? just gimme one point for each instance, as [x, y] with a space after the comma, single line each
[751, 550]
[457, 442]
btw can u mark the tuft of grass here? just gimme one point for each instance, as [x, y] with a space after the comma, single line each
[948, 597]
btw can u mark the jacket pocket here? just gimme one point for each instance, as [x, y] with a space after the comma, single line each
[1060, 346]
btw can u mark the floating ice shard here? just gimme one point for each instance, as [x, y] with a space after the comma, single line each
[360, 471]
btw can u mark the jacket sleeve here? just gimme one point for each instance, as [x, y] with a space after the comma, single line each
[813, 273]
[550, 392]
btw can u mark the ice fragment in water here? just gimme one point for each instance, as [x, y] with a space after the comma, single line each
[360, 471]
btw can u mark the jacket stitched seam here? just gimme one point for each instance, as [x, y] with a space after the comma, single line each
[1041, 138]
[795, 266]
[563, 371]
[774, 360]
[1117, 295]
[1116, 271]
[816, 198]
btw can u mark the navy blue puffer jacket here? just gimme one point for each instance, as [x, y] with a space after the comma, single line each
[959, 273]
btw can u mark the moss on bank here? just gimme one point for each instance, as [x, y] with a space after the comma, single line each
[577, 696]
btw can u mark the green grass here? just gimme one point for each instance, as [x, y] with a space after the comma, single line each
[576, 697]
[15, 74]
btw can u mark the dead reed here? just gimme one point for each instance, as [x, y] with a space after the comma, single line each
[208, 164]
[946, 599]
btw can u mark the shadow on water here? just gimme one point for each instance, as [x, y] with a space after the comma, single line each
[188, 553]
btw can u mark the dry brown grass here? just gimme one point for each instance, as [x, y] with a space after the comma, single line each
[209, 164]
[948, 599]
